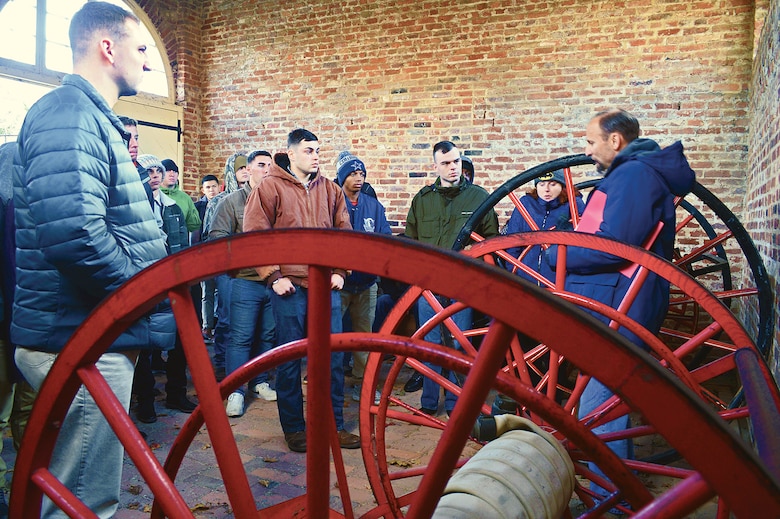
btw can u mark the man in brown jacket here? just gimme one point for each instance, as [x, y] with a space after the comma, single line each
[295, 195]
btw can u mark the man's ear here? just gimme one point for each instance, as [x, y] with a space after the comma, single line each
[616, 141]
[107, 49]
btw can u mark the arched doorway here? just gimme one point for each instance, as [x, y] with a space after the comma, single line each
[40, 56]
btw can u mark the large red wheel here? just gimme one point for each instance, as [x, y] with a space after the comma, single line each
[716, 382]
[634, 376]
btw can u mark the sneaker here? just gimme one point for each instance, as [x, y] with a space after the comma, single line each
[264, 391]
[348, 440]
[429, 412]
[296, 441]
[356, 395]
[235, 405]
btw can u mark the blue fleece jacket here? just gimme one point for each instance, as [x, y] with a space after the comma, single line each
[637, 192]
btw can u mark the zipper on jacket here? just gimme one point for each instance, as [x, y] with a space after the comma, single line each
[539, 259]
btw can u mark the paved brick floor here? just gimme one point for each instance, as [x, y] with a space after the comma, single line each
[275, 474]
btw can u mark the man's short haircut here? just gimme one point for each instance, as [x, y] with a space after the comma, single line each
[443, 147]
[207, 178]
[127, 121]
[299, 135]
[93, 17]
[256, 154]
[619, 121]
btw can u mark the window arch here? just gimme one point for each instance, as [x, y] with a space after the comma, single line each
[40, 51]
[37, 55]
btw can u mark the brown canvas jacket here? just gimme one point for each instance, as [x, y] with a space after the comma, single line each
[281, 201]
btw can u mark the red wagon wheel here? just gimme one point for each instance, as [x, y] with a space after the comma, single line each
[631, 374]
[705, 381]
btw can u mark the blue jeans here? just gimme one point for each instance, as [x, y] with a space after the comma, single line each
[208, 294]
[594, 395]
[290, 316]
[430, 392]
[252, 329]
[222, 328]
[87, 456]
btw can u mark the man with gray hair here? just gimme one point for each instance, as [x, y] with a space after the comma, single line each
[640, 183]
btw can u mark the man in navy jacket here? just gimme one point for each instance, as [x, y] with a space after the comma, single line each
[640, 183]
[358, 297]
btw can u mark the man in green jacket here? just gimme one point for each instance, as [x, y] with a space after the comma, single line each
[170, 186]
[436, 216]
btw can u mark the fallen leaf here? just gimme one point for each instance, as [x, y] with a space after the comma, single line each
[154, 446]
[200, 506]
[400, 463]
[265, 483]
[135, 489]
[269, 459]
[134, 505]
[206, 447]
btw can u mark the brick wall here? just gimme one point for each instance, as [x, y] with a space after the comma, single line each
[512, 82]
[762, 193]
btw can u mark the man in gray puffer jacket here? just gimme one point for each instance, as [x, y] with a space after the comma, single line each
[83, 227]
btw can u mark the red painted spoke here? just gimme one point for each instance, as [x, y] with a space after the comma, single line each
[164, 490]
[318, 401]
[700, 251]
[217, 424]
[60, 495]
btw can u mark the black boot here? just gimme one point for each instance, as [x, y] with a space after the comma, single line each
[414, 383]
[145, 412]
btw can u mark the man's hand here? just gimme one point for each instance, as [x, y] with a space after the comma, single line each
[283, 287]
[336, 282]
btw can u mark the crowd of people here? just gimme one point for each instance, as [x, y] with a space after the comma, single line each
[76, 228]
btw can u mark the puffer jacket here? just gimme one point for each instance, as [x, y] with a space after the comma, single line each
[281, 201]
[637, 192]
[174, 225]
[546, 215]
[437, 213]
[83, 221]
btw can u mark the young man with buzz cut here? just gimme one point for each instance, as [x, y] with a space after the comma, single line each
[84, 226]
[296, 195]
[252, 330]
[436, 216]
